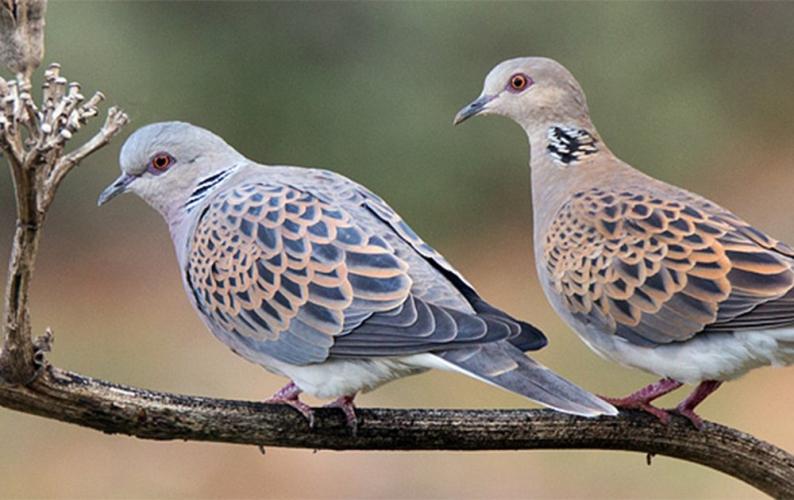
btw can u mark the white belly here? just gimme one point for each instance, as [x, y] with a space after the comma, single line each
[336, 378]
[714, 356]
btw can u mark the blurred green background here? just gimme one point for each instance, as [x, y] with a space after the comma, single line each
[696, 94]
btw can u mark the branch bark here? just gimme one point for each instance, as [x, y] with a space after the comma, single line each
[117, 409]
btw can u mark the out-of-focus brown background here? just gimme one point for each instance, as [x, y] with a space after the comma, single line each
[696, 94]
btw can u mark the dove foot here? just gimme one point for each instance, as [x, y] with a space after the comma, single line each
[345, 403]
[641, 399]
[687, 407]
[628, 404]
[289, 395]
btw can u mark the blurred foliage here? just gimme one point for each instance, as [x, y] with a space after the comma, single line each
[697, 94]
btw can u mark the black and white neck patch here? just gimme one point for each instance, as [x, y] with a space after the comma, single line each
[568, 144]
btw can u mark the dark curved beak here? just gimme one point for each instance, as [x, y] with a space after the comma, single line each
[473, 108]
[118, 187]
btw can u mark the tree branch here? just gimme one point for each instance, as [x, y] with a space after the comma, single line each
[117, 409]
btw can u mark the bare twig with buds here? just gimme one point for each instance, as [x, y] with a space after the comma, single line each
[33, 139]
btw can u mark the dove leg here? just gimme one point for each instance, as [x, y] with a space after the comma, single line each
[289, 395]
[345, 403]
[641, 400]
[687, 407]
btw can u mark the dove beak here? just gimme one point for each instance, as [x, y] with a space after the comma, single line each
[118, 187]
[476, 107]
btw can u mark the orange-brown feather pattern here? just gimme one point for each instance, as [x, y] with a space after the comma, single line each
[265, 256]
[661, 270]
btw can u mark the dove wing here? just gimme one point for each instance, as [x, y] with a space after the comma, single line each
[292, 275]
[656, 271]
[439, 282]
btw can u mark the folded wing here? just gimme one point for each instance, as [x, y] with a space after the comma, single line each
[658, 271]
[293, 276]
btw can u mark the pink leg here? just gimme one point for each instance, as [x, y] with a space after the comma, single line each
[687, 407]
[289, 395]
[641, 400]
[345, 403]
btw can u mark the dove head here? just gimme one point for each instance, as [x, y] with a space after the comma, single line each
[164, 162]
[532, 91]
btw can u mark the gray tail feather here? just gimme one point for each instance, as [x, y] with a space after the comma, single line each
[503, 365]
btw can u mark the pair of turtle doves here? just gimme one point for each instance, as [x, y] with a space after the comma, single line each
[317, 279]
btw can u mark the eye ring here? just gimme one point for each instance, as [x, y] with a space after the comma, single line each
[519, 82]
[161, 162]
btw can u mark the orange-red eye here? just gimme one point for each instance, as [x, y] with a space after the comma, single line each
[519, 82]
[162, 161]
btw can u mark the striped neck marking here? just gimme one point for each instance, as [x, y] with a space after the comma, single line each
[206, 185]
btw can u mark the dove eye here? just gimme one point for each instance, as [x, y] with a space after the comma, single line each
[160, 163]
[519, 82]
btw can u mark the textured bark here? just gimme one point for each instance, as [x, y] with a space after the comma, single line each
[117, 409]
[17, 356]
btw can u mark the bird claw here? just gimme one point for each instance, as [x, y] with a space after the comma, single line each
[641, 399]
[630, 403]
[687, 407]
[690, 415]
[289, 395]
[303, 408]
[345, 403]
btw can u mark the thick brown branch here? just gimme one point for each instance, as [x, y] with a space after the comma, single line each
[152, 415]
[16, 357]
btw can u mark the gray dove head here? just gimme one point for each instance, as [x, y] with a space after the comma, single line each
[531, 91]
[163, 162]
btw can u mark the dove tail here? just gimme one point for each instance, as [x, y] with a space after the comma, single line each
[503, 365]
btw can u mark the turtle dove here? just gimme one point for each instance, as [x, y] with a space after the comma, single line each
[649, 275]
[317, 279]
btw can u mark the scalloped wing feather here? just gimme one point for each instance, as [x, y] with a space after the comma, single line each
[656, 271]
[282, 270]
[292, 275]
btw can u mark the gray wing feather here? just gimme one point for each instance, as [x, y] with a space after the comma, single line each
[523, 335]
